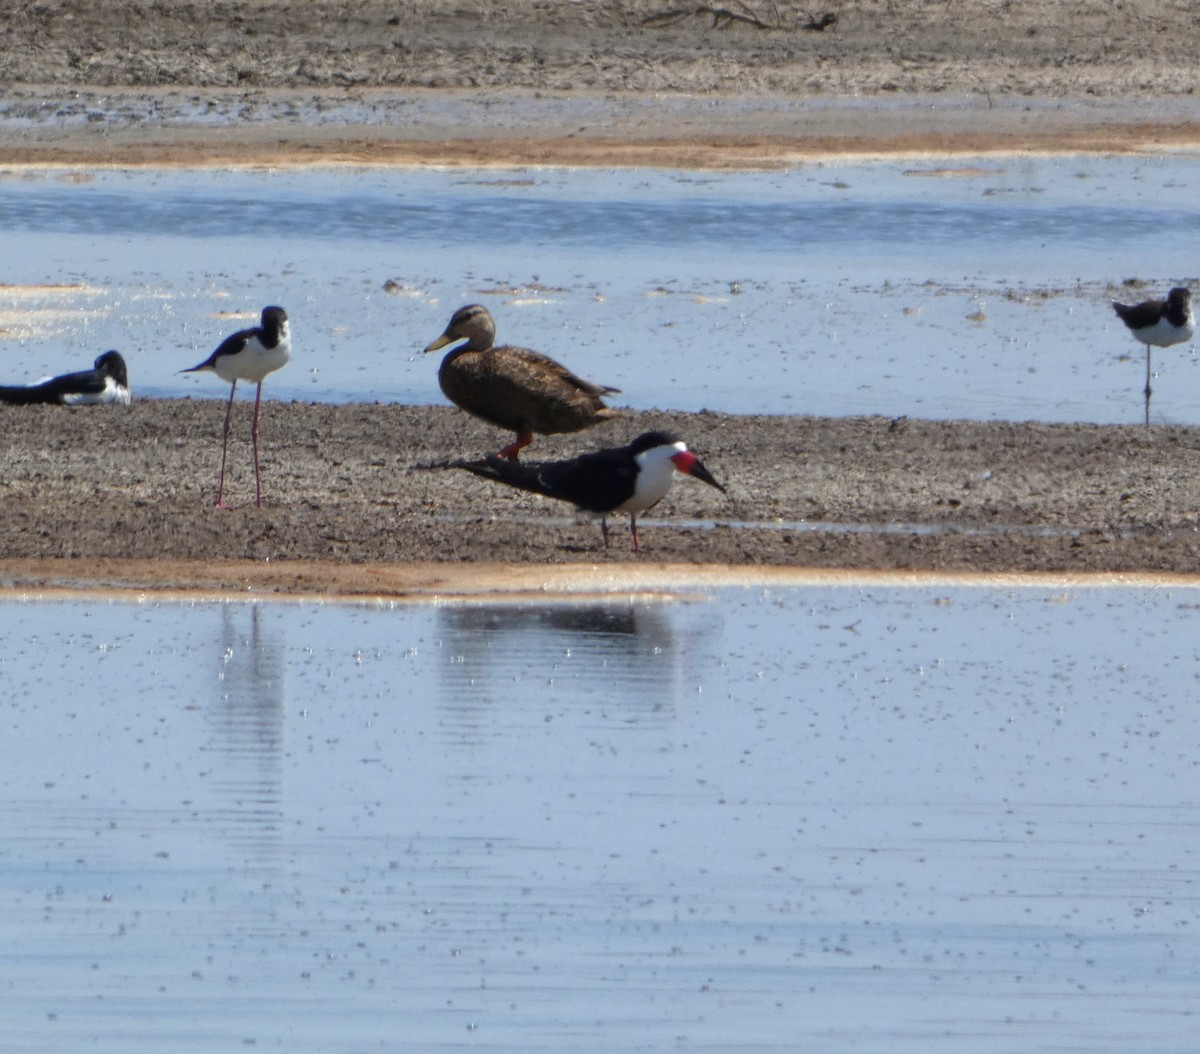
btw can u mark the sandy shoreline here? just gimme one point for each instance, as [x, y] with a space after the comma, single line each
[156, 129]
[140, 581]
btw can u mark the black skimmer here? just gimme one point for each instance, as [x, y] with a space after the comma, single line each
[105, 384]
[249, 355]
[514, 388]
[1160, 323]
[628, 479]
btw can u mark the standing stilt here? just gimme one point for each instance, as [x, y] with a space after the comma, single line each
[1161, 323]
[249, 355]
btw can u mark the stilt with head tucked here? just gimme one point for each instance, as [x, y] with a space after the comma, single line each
[105, 384]
[1160, 323]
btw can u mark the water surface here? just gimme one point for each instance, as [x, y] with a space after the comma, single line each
[831, 818]
[976, 288]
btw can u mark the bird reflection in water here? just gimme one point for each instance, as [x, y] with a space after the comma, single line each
[246, 718]
[632, 656]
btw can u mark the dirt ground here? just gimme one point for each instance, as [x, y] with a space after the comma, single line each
[357, 485]
[126, 496]
[1051, 48]
[595, 82]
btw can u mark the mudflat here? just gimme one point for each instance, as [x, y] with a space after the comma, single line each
[365, 484]
[744, 83]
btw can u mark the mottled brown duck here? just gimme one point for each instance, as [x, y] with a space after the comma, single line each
[514, 388]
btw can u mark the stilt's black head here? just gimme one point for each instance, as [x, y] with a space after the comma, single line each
[274, 319]
[111, 364]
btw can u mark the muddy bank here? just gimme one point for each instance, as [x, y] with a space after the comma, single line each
[636, 82]
[350, 485]
[869, 47]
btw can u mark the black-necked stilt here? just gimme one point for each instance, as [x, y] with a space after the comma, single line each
[105, 384]
[628, 479]
[1160, 323]
[514, 388]
[249, 355]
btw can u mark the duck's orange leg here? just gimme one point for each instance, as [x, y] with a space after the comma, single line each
[514, 448]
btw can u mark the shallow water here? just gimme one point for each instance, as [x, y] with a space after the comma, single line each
[969, 289]
[839, 818]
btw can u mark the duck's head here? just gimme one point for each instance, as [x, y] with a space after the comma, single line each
[472, 323]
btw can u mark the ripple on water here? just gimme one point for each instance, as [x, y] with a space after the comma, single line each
[829, 289]
[854, 811]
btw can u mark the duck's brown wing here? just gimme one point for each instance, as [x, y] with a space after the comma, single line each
[523, 391]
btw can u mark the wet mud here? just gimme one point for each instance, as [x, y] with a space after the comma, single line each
[366, 484]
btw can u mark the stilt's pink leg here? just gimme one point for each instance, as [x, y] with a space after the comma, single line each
[254, 437]
[225, 449]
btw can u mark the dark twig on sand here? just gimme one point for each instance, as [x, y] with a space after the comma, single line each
[738, 11]
[722, 17]
[821, 22]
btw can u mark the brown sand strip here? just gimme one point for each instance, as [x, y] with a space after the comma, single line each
[308, 581]
[296, 147]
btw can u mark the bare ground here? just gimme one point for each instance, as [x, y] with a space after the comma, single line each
[351, 485]
[596, 82]
[871, 47]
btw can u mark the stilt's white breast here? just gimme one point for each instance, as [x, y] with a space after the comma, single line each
[255, 360]
[1162, 334]
[114, 394]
